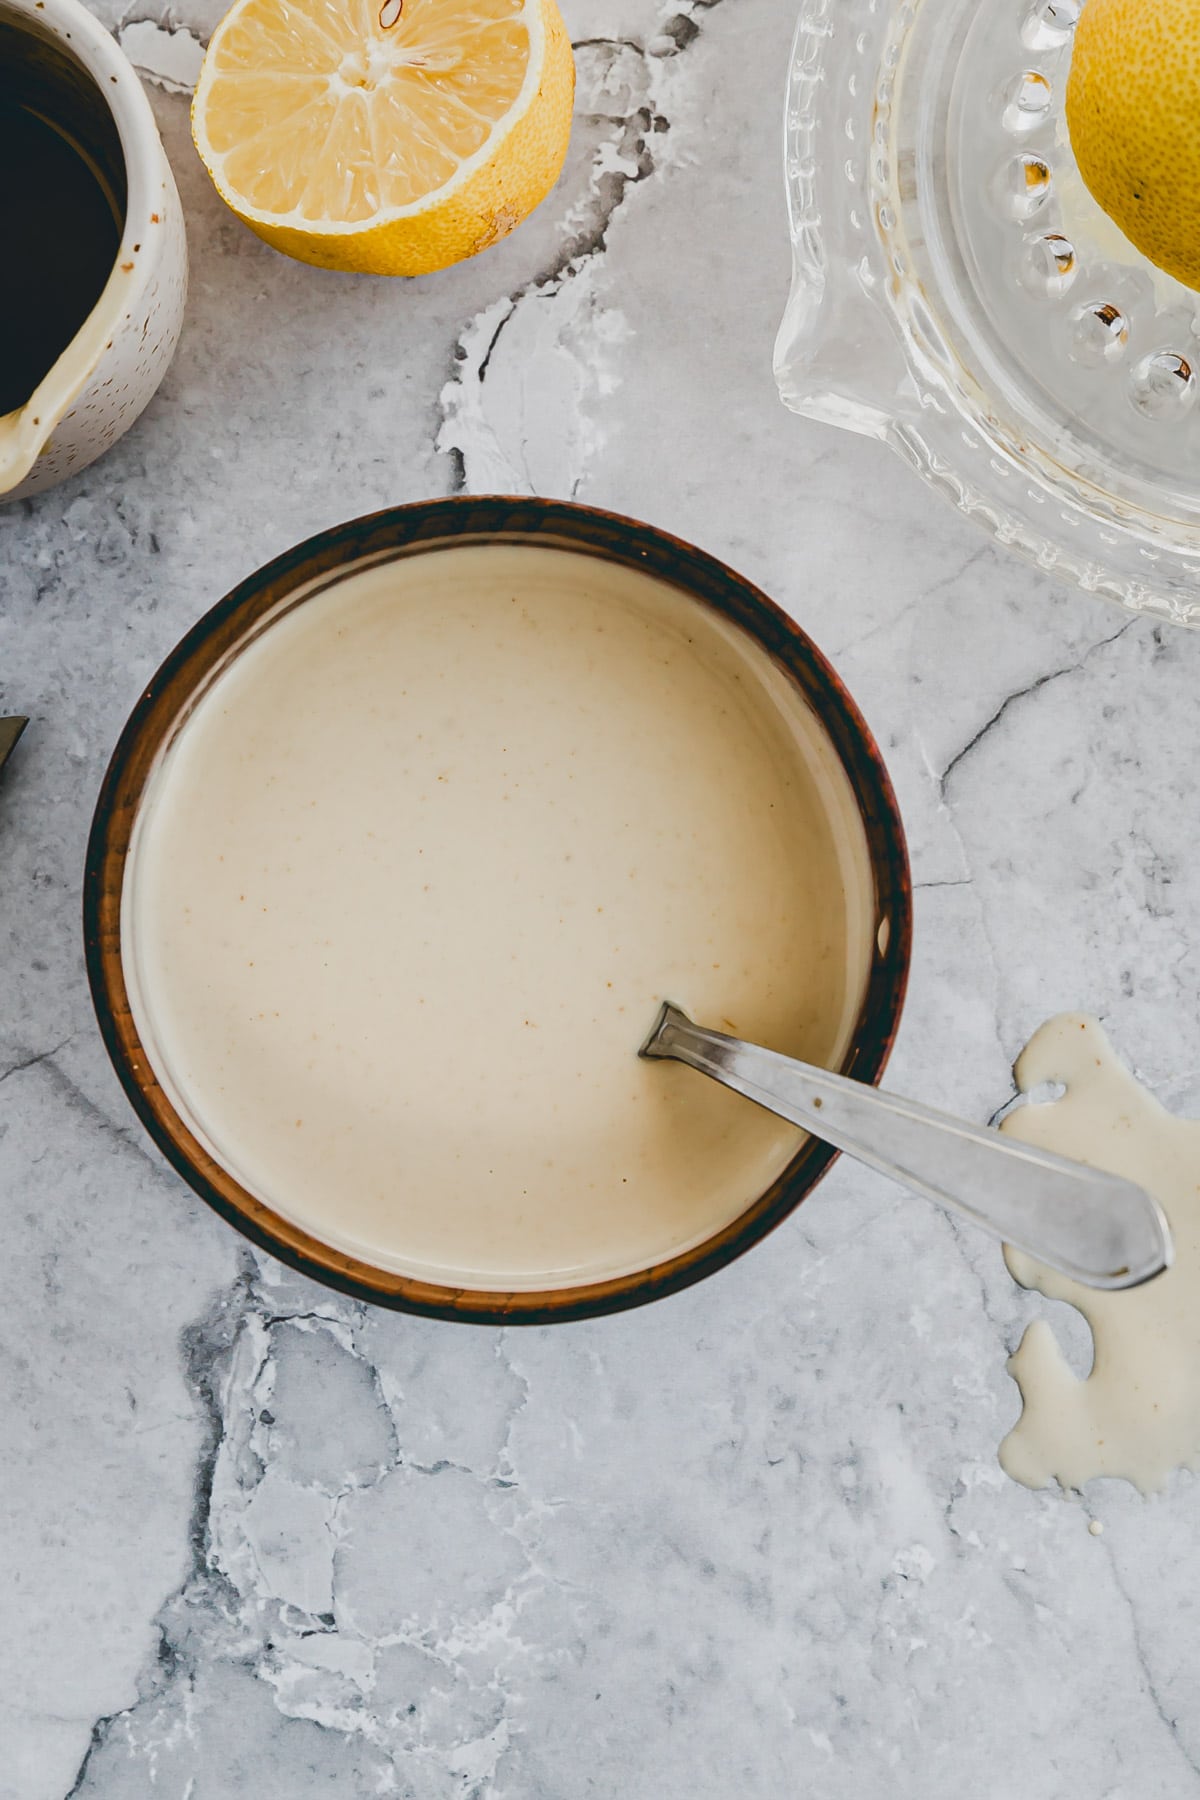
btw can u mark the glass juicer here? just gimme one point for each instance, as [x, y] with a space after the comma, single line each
[959, 295]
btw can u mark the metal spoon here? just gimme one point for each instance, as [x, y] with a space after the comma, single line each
[1092, 1226]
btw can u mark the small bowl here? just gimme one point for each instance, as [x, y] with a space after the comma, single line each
[64, 64]
[417, 530]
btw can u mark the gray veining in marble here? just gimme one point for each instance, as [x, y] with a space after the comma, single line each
[754, 1540]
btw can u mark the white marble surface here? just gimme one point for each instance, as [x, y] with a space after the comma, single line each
[753, 1540]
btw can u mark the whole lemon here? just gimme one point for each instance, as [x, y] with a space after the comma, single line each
[1133, 112]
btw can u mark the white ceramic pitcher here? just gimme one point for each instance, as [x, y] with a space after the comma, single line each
[116, 360]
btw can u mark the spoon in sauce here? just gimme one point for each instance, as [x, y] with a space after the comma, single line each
[1096, 1227]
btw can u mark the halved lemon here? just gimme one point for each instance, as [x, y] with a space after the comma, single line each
[1133, 113]
[389, 136]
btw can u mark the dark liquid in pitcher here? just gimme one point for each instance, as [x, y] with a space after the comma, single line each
[60, 234]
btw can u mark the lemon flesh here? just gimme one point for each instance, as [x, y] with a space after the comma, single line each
[389, 136]
[1133, 113]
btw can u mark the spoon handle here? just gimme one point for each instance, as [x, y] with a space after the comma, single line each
[1093, 1226]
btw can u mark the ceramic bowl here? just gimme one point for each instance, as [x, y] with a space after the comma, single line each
[884, 913]
[69, 66]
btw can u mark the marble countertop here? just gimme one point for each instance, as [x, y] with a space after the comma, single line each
[752, 1540]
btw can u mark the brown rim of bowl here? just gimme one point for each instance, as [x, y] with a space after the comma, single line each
[404, 530]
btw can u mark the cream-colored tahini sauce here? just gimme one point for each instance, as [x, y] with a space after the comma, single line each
[1137, 1414]
[409, 885]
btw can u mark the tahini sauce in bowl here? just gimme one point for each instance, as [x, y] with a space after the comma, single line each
[411, 874]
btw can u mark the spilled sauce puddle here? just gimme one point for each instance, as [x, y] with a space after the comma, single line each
[1136, 1415]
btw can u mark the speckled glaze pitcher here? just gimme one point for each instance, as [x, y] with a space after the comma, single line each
[67, 66]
